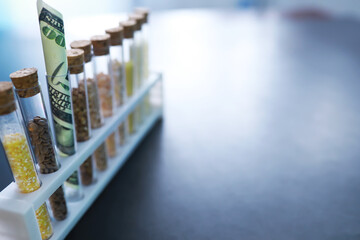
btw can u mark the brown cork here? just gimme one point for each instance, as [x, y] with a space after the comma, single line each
[26, 82]
[116, 35]
[129, 28]
[143, 18]
[7, 100]
[138, 18]
[84, 45]
[143, 11]
[75, 59]
[101, 44]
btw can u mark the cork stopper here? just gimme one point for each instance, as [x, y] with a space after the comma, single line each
[26, 82]
[101, 44]
[84, 45]
[7, 100]
[143, 18]
[143, 11]
[138, 18]
[129, 28]
[75, 59]
[116, 35]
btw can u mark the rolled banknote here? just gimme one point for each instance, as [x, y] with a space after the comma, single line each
[53, 42]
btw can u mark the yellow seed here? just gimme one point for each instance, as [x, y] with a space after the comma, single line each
[43, 219]
[21, 162]
[129, 68]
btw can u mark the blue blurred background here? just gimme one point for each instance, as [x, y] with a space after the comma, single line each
[261, 118]
[18, 25]
[20, 39]
[18, 12]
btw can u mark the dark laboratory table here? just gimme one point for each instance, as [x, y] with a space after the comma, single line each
[260, 137]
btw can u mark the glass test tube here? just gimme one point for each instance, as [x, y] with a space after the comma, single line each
[15, 142]
[146, 106]
[61, 109]
[81, 107]
[79, 94]
[118, 72]
[96, 115]
[130, 60]
[139, 64]
[138, 49]
[102, 66]
[73, 189]
[31, 103]
[18, 153]
[44, 222]
[77, 80]
[145, 41]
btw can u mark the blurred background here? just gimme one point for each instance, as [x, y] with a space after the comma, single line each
[18, 18]
[12, 12]
[21, 45]
[261, 125]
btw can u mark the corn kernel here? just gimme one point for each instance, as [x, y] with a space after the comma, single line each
[43, 219]
[21, 163]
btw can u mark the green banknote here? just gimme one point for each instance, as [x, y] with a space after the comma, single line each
[53, 41]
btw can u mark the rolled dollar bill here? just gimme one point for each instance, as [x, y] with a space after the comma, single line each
[53, 42]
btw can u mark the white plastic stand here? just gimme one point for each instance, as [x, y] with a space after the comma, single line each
[17, 215]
